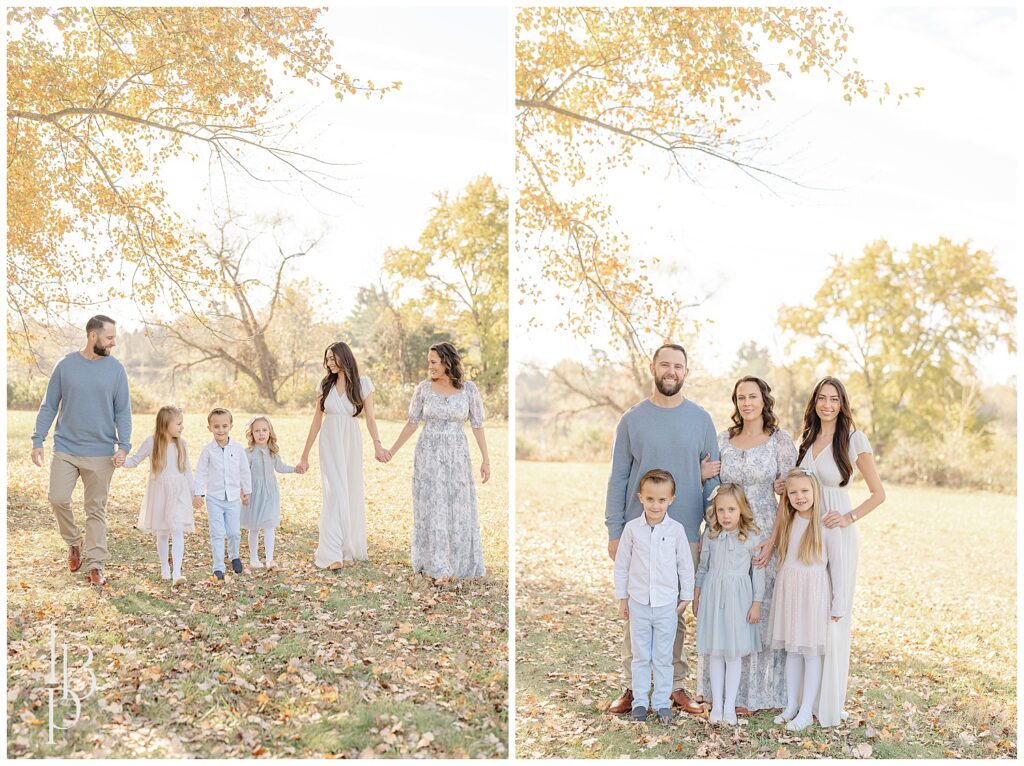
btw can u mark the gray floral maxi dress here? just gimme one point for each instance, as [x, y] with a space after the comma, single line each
[763, 677]
[446, 530]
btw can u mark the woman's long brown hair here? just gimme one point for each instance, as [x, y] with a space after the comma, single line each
[844, 427]
[345, 360]
[452, 362]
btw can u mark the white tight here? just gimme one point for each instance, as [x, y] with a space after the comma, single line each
[254, 543]
[177, 543]
[725, 682]
[809, 667]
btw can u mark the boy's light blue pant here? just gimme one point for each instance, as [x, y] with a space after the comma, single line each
[224, 517]
[652, 631]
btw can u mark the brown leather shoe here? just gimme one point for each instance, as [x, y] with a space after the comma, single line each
[742, 712]
[74, 558]
[681, 699]
[95, 577]
[623, 704]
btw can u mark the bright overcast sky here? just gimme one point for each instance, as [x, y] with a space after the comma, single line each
[944, 164]
[448, 124]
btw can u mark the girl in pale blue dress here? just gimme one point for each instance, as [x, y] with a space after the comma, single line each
[264, 508]
[728, 595]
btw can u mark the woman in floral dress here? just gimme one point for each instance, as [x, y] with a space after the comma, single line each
[446, 531]
[756, 453]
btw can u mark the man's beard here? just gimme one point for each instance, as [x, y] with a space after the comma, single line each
[100, 351]
[668, 388]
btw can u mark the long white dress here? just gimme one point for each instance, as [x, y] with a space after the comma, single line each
[836, 665]
[343, 513]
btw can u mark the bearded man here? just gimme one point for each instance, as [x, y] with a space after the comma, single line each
[88, 395]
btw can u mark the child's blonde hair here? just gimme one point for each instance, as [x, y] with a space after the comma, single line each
[164, 417]
[271, 440]
[810, 545]
[746, 524]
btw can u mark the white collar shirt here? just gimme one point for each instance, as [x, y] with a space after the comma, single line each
[223, 471]
[653, 565]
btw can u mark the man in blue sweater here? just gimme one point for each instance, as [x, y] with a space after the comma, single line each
[88, 395]
[671, 433]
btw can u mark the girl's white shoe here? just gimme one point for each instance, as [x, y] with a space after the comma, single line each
[798, 724]
[271, 565]
[178, 581]
[165, 573]
[782, 718]
[255, 564]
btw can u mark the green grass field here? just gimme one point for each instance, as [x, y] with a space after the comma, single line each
[933, 667]
[297, 663]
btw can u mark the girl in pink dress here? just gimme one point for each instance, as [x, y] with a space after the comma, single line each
[807, 593]
[167, 505]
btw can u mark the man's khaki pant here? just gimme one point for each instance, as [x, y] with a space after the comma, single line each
[96, 473]
[680, 667]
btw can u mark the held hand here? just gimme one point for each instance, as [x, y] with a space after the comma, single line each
[197, 503]
[754, 615]
[624, 608]
[380, 453]
[245, 499]
[694, 604]
[682, 607]
[709, 468]
[613, 548]
[302, 466]
[485, 471]
[780, 484]
[763, 553]
[118, 459]
[836, 619]
[834, 520]
[37, 456]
